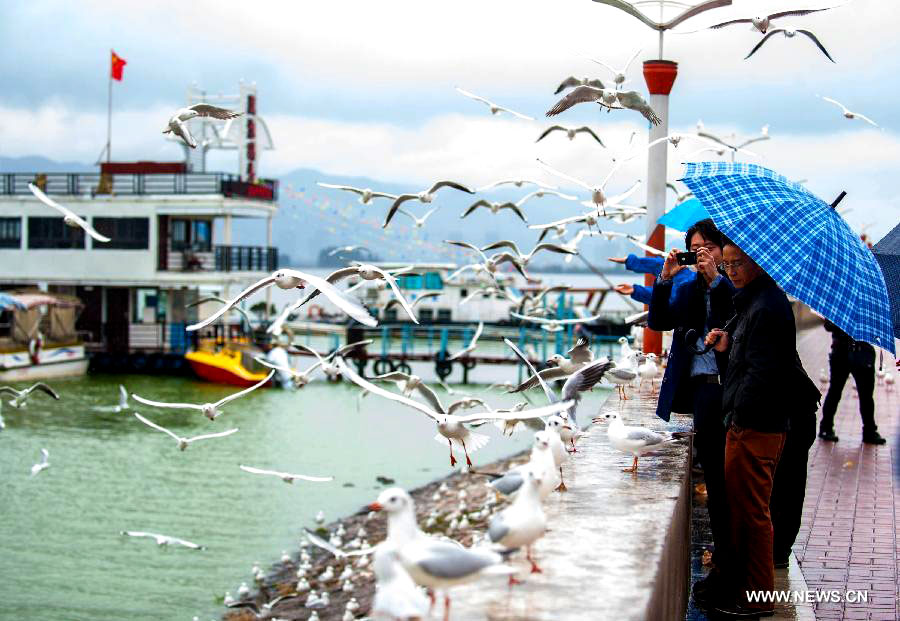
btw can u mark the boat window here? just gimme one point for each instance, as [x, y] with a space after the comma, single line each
[10, 232]
[390, 315]
[145, 303]
[53, 233]
[426, 315]
[193, 235]
[412, 281]
[433, 281]
[444, 315]
[125, 233]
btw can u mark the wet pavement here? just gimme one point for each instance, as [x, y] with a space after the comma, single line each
[611, 539]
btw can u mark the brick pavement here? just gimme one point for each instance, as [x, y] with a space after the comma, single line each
[848, 540]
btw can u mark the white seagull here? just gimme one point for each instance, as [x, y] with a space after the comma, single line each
[848, 114]
[178, 123]
[43, 464]
[619, 75]
[287, 477]
[634, 440]
[334, 550]
[762, 23]
[365, 271]
[555, 325]
[345, 249]
[432, 563]
[210, 410]
[789, 34]
[329, 368]
[300, 378]
[418, 222]
[541, 460]
[494, 108]
[365, 194]
[294, 279]
[495, 208]
[425, 196]
[451, 427]
[122, 405]
[163, 540]
[598, 197]
[183, 442]
[20, 397]
[571, 132]
[473, 343]
[396, 595]
[523, 522]
[69, 217]
[559, 366]
[631, 100]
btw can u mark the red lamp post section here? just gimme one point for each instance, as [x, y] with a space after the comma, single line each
[660, 77]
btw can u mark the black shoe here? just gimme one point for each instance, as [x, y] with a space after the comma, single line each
[828, 435]
[739, 611]
[708, 592]
[873, 437]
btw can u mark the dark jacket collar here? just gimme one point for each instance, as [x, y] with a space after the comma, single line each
[743, 297]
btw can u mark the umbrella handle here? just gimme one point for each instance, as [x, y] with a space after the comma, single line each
[840, 197]
[691, 336]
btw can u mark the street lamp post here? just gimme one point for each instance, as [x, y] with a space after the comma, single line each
[660, 77]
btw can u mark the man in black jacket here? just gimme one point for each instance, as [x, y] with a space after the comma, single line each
[857, 358]
[758, 399]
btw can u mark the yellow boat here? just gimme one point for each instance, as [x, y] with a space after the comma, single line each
[225, 366]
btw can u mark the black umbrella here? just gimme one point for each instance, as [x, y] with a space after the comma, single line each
[887, 253]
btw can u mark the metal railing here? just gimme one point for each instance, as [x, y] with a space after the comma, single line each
[96, 184]
[246, 258]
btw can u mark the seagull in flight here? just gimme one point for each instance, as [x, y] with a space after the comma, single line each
[20, 397]
[493, 107]
[69, 217]
[287, 477]
[762, 23]
[571, 132]
[847, 113]
[418, 222]
[473, 343]
[365, 194]
[300, 378]
[495, 208]
[425, 196]
[631, 100]
[210, 410]
[294, 279]
[573, 81]
[43, 464]
[163, 540]
[555, 325]
[365, 271]
[120, 407]
[345, 249]
[425, 296]
[619, 75]
[516, 182]
[597, 196]
[330, 369]
[789, 34]
[183, 443]
[215, 298]
[451, 427]
[178, 123]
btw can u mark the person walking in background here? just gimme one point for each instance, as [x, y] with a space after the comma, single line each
[857, 358]
[759, 393]
[689, 301]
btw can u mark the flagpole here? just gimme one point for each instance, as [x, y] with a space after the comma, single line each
[109, 115]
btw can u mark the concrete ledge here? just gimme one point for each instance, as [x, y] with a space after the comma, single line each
[618, 545]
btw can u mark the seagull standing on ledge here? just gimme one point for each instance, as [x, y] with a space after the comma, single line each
[632, 439]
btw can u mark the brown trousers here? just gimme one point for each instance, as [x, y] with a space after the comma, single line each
[750, 461]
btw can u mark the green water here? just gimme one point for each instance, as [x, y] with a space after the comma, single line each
[61, 555]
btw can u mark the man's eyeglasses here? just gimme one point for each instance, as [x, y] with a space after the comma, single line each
[729, 267]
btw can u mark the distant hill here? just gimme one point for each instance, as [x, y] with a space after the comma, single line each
[39, 164]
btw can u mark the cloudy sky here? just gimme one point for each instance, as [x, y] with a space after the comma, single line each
[366, 88]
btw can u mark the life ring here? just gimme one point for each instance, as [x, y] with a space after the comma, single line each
[382, 366]
[314, 312]
[34, 348]
[403, 367]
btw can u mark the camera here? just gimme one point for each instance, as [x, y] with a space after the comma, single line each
[686, 258]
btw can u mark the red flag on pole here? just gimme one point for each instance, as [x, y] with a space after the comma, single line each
[118, 64]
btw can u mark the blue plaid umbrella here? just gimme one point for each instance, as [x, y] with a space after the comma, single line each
[800, 241]
[887, 253]
[683, 216]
